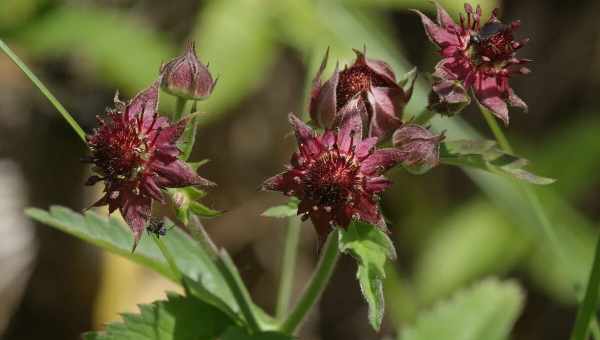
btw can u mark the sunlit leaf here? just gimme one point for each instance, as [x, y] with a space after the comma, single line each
[371, 248]
[177, 318]
[487, 311]
[192, 260]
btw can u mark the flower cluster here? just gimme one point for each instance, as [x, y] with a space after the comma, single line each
[134, 150]
[338, 175]
[476, 56]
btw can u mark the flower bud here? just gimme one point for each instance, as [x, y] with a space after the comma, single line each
[448, 97]
[373, 82]
[186, 77]
[420, 147]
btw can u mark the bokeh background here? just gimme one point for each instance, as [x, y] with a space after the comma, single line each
[451, 228]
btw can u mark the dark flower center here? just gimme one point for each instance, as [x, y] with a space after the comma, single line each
[356, 79]
[494, 41]
[119, 151]
[331, 179]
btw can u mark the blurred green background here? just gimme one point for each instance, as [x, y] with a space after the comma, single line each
[451, 227]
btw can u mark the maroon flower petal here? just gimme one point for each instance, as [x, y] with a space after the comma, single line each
[364, 148]
[144, 103]
[516, 101]
[378, 184]
[177, 174]
[381, 160]
[490, 95]
[275, 183]
[379, 67]
[350, 131]
[323, 98]
[437, 34]
[385, 102]
[443, 18]
[305, 136]
[152, 189]
[136, 212]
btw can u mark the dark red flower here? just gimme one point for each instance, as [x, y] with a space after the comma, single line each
[374, 82]
[482, 57]
[420, 147]
[186, 76]
[134, 153]
[337, 175]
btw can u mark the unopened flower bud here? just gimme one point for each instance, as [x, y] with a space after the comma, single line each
[420, 147]
[370, 80]
[186, 77]
[448, 97]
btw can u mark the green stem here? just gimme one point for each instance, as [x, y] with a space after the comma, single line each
[496, 130]
[590, 301]
[316, 286]
[583, 320]
[238, 289]
[169, 258]
[288, 264]
[179, 107]
[36, 81]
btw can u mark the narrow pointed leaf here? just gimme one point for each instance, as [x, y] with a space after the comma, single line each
[485, 155]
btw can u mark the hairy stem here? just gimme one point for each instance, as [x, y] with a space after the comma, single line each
[496, 130]
[288, 264]
[38, 83]
[316, 286]
[179, 107]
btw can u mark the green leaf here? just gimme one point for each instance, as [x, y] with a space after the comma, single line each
[289, 209]
[236, 333]
[201, 210]
[371, 247]
[485, 155]
[177, 318]
[193, 261]
[487, 311]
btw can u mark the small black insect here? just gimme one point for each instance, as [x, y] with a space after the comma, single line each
[157, 227]
[488, 31]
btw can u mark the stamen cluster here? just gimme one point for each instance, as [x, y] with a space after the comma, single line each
[337, 175]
